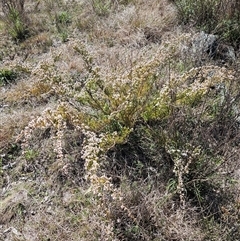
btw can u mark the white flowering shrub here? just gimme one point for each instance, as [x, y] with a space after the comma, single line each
[113, 128]
[135, 109]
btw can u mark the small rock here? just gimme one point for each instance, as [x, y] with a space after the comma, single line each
[209, 45]
[13, 231]
[16, 232]
[204, 43]
[225, 53]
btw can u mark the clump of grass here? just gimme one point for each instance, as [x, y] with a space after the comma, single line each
[7, 76]
[218, 16]
[101, 7]
[62, 20]
[15, 19]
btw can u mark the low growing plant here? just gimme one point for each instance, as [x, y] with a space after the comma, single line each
[15, 19]
[101, 7]
[7, 76]
[62, 20]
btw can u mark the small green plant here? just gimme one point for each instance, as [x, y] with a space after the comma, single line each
[18, 29]
[15, 19]
[101, 7]
[64, 36]
[62, 21]
[63, 18]
[7, 76]
[30, 154]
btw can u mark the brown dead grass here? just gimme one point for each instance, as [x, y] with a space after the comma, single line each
[52, 201]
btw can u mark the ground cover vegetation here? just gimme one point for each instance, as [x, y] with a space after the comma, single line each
[110, 128]
[219, 17]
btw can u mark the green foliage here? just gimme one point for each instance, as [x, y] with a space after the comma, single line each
[63, 18]
[30, 154]
[101, 7]
[218, 16]
[114, 104]
[17, 30]
[202, 11]
[62, 21]
[15, 19]
[229, 29]
[7, 76]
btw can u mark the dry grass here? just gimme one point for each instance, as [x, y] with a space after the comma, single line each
[159, 166]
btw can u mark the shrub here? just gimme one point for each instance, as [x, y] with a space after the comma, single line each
[149, 130]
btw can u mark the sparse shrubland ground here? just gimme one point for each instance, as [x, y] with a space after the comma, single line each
[112, 127]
